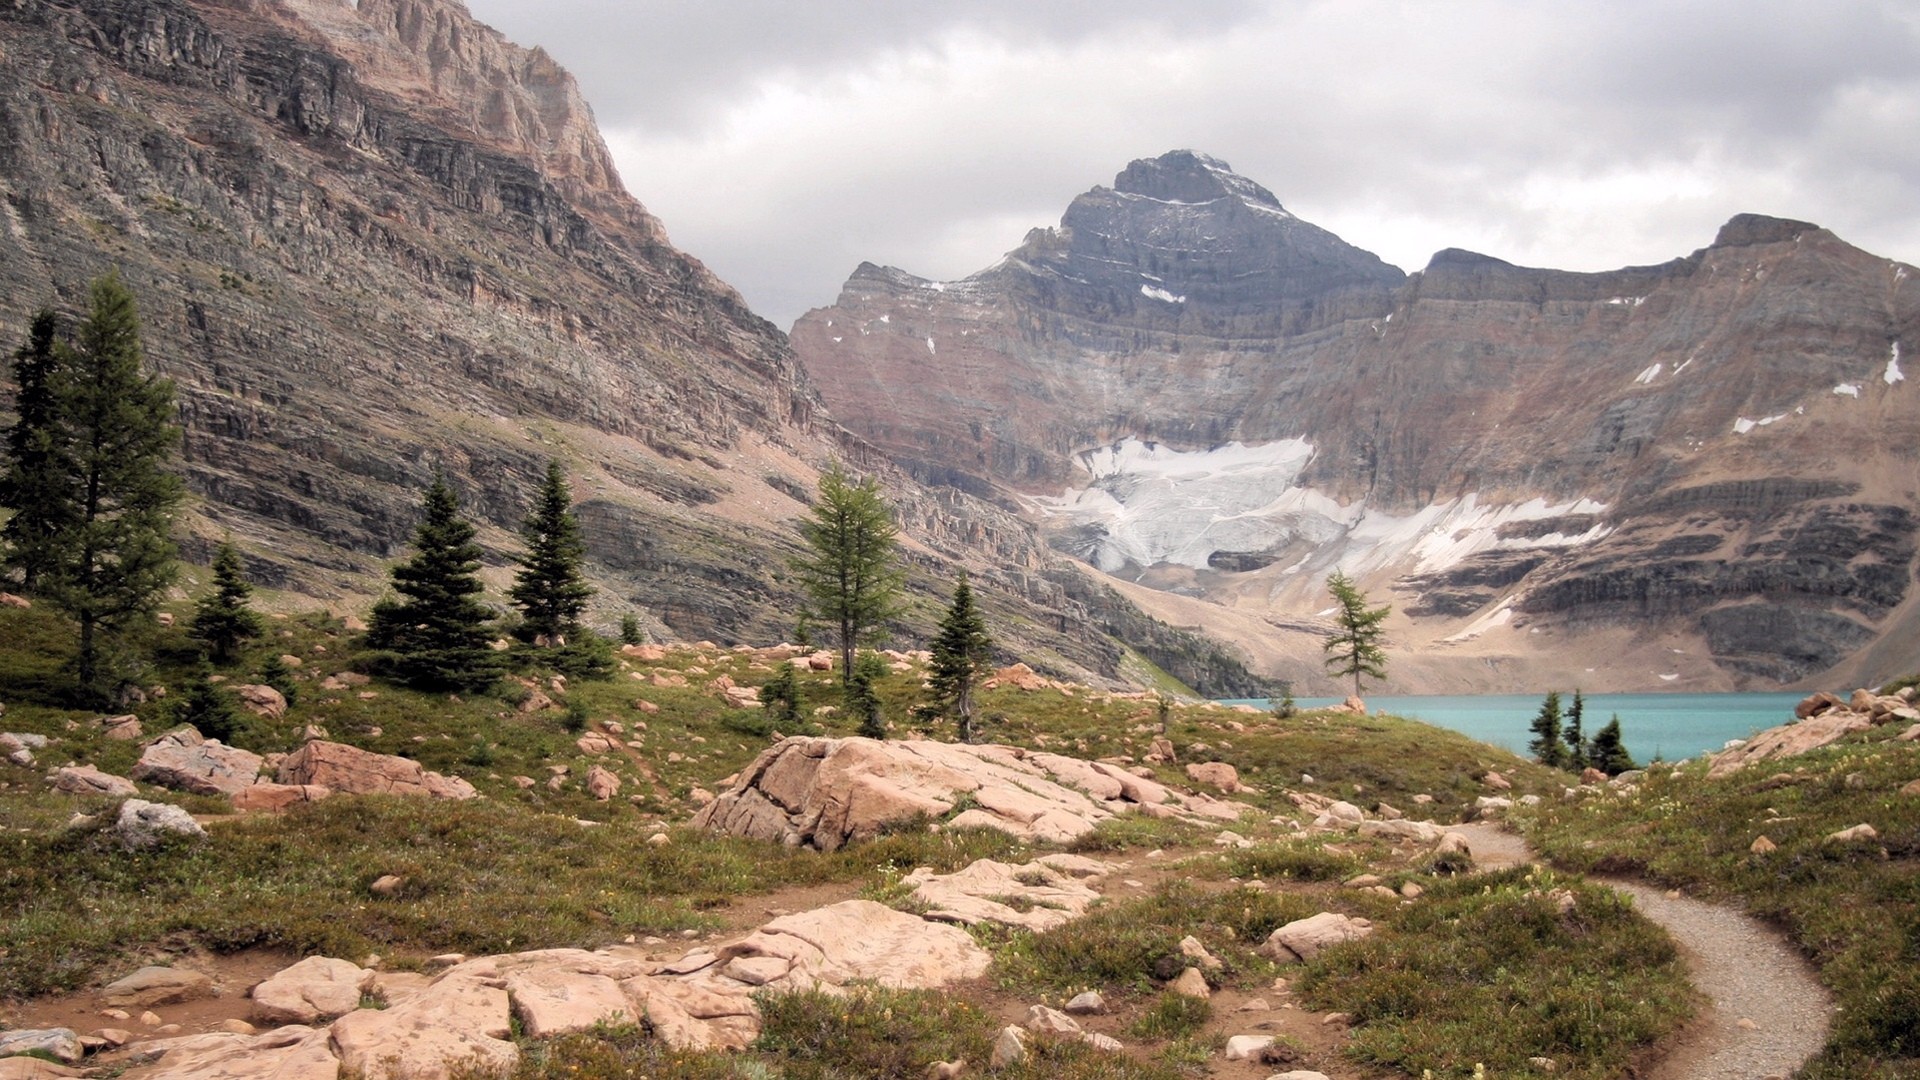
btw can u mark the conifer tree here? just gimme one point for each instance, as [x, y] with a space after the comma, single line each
[1578, 747]
[222, 619]
[1609, 753]
[1353, 647]
[863, 704]
[630, 630]
[781, 696]
[207, 707]
[961, 650]
[113, 558]
[38, 484]
[852, 573]
[437, 632]
[277, 674]
[549, 589]
[1546, 745]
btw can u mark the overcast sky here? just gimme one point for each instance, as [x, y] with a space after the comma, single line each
[784, 141]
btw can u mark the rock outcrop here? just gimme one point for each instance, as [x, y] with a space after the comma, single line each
[1821, 719]
[826, 792]
[183, 760]
[342, 768]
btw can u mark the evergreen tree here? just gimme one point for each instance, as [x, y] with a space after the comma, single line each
[630, 631]
[207, 707]
[961, 650]
[549, 589]
[1609, 753]
[437, 633]
[1546, 745]
[1578, 748]
[222, 619]
[113, 558]
[863, 704]
[852, 573]
[38, 484]
[1285, 708]
[1353, 647]
[781, 696]
[276, 674]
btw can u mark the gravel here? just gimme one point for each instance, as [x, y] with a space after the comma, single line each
[1767, 1013]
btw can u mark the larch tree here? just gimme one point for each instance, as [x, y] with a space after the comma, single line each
[438, 633]
[222, 619]
[112, 557]
[961, 651]
[550, 589]
[1354, 647]
[37, 485]
[851, 572]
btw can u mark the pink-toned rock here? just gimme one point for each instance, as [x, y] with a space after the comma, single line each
[1354, 704]
[1018, 676]
[1815, 704]
[593, 742]
[1161, 749]
[296, 1052]
[1788, 740]
[121, 728]
[553, 1001]
[269, 797]
[183, 760]
[651, 654]
[26, 1068]
[1497, 782]
[317, 988]
[87, 780]
[602, 784]
[8, 599]
[457, 1020]
[858, 940]
[1217, 774]
[1591, 775]
[1862, 701]
[262, 700]
[1303, 939]
[361, 772]
[157, 985]
[820, 661]
[1034, 896]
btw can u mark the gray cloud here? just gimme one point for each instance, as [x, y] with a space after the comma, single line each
[783, 143]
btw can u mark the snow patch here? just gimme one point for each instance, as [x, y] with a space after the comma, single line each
[930, 349]
[1646, 377]
[884, 319]
[1894, 374]
[1627, 301]
[1481, 625]
[1669, 678]
[1152, 293]
[1852, 390]
[1743, 425]
[937, 286]
[1684, 364]
[837, 341]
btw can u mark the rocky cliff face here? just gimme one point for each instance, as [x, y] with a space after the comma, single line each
[374, 238]
[1202, 393]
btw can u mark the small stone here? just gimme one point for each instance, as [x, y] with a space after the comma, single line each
[156, 986]
[150, 1019]
[1763, 846]
[113, 1037]
[1858, 832]
[387, 885]
[1544, 1064]
[1412, 890]
[1047, 1021]
[58, 1043]
[1254, 1005]
[1192, 984]
[1746, 1024]
[946, 1070]
[116, 1014]
[1247, 1047]
[1087, 1003]
[238, 1027]
[659, 839]
[1106, 1043]
[1009, 1048]
[1336, 1019]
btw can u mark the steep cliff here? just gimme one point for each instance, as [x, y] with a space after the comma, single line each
[374, 238]
[1197, 391]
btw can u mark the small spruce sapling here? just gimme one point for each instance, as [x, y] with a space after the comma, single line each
[1579, 748]
[1610, 751]
[630, 631]
[961, 651]
[222, 619]
[1546, 745]
[781, 696]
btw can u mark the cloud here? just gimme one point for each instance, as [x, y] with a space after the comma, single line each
[785, 143]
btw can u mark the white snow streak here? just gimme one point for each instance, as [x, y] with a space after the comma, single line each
[930, 349]
[1743, 425]
[1152, 293]
[1852, 390]
[1646, 377]
[1894, 374]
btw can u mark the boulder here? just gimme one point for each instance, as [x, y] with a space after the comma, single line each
[1216, 774]
[144, 824]
[1247, 1047]
[87, 780]
[60, 1043]
[1788, 740]
[296, 1052]
[1087, 1003]
[26, 1068]
[1303, 939]
[1009, 1048]
[1045, 1021]
[181, 759]
[455, 1021]
[1033, 896]
[1857, 832]
[602, 784]
[121, 728]
[278, 796]
[157, 985]
[262, 700]
[552, 1001]
[349, 769]
[1191, 984]
[317, 988]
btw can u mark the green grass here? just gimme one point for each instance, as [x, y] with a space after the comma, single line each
[1853, 909]
[1489, 969]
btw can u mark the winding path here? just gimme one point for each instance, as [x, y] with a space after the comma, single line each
[1767, 1013]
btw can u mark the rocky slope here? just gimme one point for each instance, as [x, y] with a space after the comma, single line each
[375, 238]
[1693, 475]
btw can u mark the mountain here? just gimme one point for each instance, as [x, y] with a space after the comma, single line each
[371, 238]
[1697, 475]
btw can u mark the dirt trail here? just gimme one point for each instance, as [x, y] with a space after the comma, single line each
[1767, 1013]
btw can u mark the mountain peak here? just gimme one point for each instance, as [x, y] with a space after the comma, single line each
[1743, 230]
[1188, 176]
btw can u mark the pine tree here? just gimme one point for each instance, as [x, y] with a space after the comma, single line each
[852, 574]
[438, 632]
[549, 589]
[222, 619]
[38, 484]
[113, 559]
[781, 696]
[1578, 748]
[630, 631]
[863, 704]
[207, 707]
[961, 650]
[1546, 745]
[277, 674]
[1354, 645]
[1609, 753]
[1285, 708]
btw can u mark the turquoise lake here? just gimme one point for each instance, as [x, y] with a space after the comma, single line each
[1668, 726]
